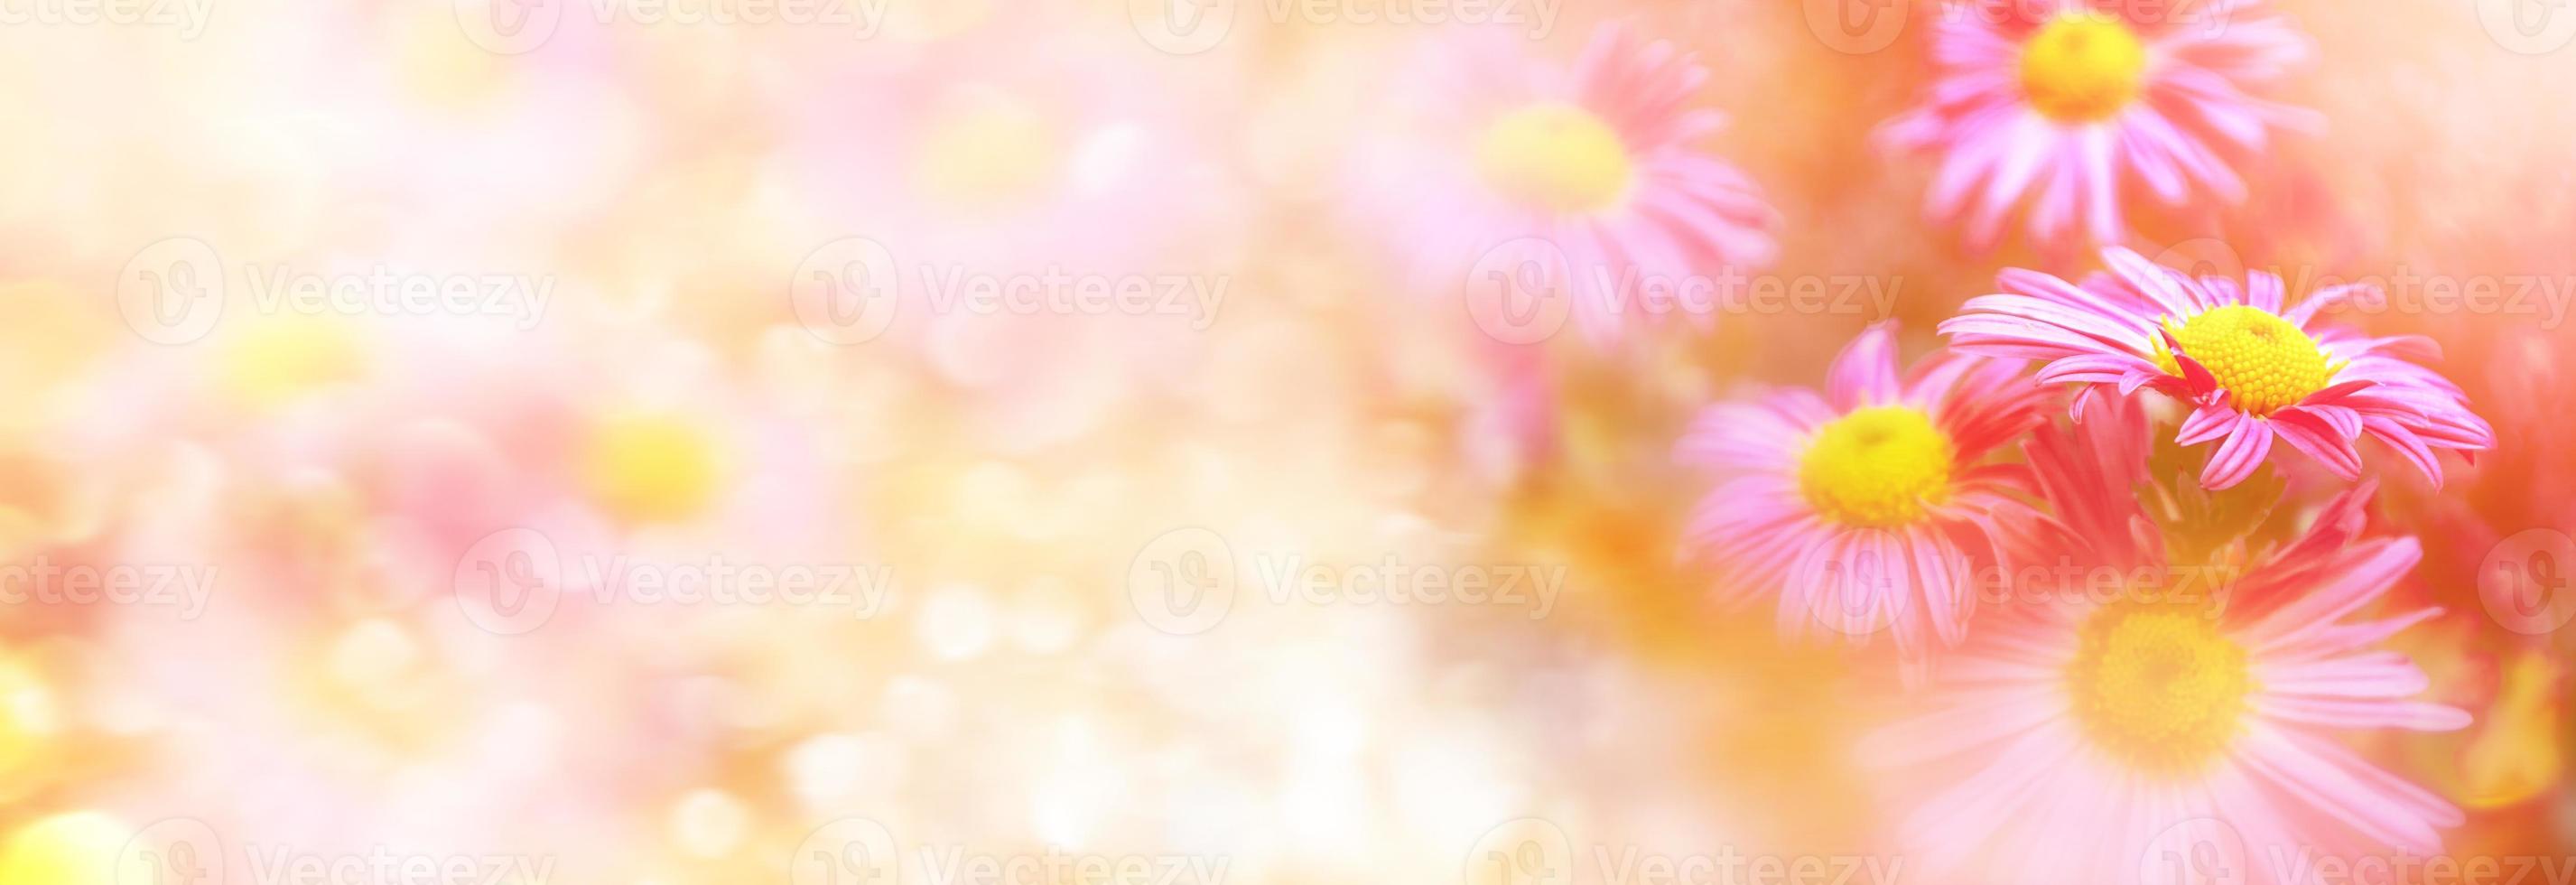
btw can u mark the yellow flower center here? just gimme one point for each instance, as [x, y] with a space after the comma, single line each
[1877, 466]
[1556, 157]
[988, 152]
[2261, 360]
[2157, 686]
[2081, 67]
[651, 468]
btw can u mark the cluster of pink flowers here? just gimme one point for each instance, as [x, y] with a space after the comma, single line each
[2070, 734]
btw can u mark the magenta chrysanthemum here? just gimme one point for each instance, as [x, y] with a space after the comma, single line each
[2251, 370]
[2064, 104]
[1596, 175]
[2151, 734]
[1865, 509]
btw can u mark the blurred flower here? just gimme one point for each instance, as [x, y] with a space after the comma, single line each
[1589, 176]
[1863, 508]
[2075, 741]
[2514, 755]
[2250, 369]
[2062, 101]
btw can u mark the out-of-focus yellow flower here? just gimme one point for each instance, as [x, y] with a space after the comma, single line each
[78, 848]
[989, 151]
[649, 467]
[272, 360]
[2514, 753]
[28, 723]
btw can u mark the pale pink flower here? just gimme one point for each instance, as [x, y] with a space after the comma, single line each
[2174, 729]
[2251, 368]
[1592, 177]
[2060, 107]
[1864, 508]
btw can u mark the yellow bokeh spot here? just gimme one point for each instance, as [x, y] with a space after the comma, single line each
[1556, 157]
[1879, 466]
[270, 361]
[652, 467]
[2157, 687]
[988, 152]
[30, 723]
[2515, 754]
[2081, 67]
[79, 848]
[2261, 360]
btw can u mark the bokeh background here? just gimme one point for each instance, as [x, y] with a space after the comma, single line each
[372, 581]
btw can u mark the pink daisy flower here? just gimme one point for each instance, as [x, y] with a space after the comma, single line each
[2250, 369]
[1590, 178]
[2158, 733]
[1865, 507]
[2064, 104]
